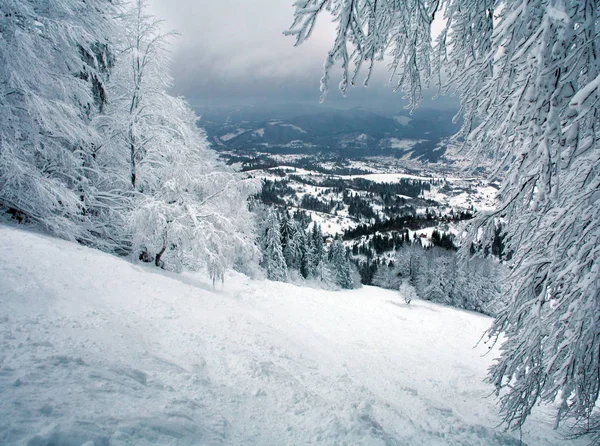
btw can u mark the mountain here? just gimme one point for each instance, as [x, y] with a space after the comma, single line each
[98, 350]
[356, 132]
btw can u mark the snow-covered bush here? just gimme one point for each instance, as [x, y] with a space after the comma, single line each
[407, 291]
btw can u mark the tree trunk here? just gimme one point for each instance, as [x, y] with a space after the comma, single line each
[157, 261]
[132, 165]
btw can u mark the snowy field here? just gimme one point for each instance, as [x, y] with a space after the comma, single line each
[95, 350]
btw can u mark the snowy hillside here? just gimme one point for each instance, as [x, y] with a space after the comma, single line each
[96, 350]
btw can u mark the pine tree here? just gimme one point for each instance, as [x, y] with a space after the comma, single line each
[340, 265]
[273, 261]
[317, 252]
[302, 251]
[288, 231]
[387, 276]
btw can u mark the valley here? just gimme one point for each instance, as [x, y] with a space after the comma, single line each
[351, 168]
[350, 133]
[344, 194]
[378, 180]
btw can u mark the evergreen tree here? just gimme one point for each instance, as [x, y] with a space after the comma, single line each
[273, 261]
[437, 275]
[317, 252]
[387, 276]
[302, 250]
[340, 265]
[288, 231]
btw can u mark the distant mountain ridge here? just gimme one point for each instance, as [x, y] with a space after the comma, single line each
[355, 132]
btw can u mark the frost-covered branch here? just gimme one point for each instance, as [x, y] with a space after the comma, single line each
[527, 73]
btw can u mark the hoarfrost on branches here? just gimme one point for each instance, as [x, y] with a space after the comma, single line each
[188, 211]
[93, 148]
[527, 73]
[54, 61]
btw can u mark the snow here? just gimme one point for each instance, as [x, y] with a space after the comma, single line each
[402, 120]
[424, 235]
[260, 133]
[388, 177]
[293, 170]
[481, 197]
[404, 144]
[292, 126]
[230, 136]
[584, 94]
[97, 350]
[332, 225]
[295, 127]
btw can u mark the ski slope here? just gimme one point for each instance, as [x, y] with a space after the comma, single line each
[95, 350]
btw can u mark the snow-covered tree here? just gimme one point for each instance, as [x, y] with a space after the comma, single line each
[407, 291]
[436, 275]
[193, 213]
[317, 254]
[187, 210]
[302, 251]
[528, 75]
[340, 264]
[304, 255]
[288, 243]
[273, 261]
[137, 116]
[54, 61]
[387, 276]
[439, 279]
[320, 267]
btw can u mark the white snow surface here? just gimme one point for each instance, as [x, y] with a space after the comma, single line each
[387, 177]
[404, 144]
[97, 350]
[292, 126]
[402, 120]
[230, 136]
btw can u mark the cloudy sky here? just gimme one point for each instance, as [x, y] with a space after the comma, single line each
[234, 52]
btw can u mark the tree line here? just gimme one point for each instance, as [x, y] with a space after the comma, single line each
[410, 221]
[438, 275]
[294, 251]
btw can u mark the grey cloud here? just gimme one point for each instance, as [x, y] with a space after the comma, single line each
[234, 51]
[229, 47]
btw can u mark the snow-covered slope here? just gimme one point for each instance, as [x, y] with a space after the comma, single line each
[96, 350]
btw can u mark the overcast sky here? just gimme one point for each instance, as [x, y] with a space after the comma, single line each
[234, 52]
